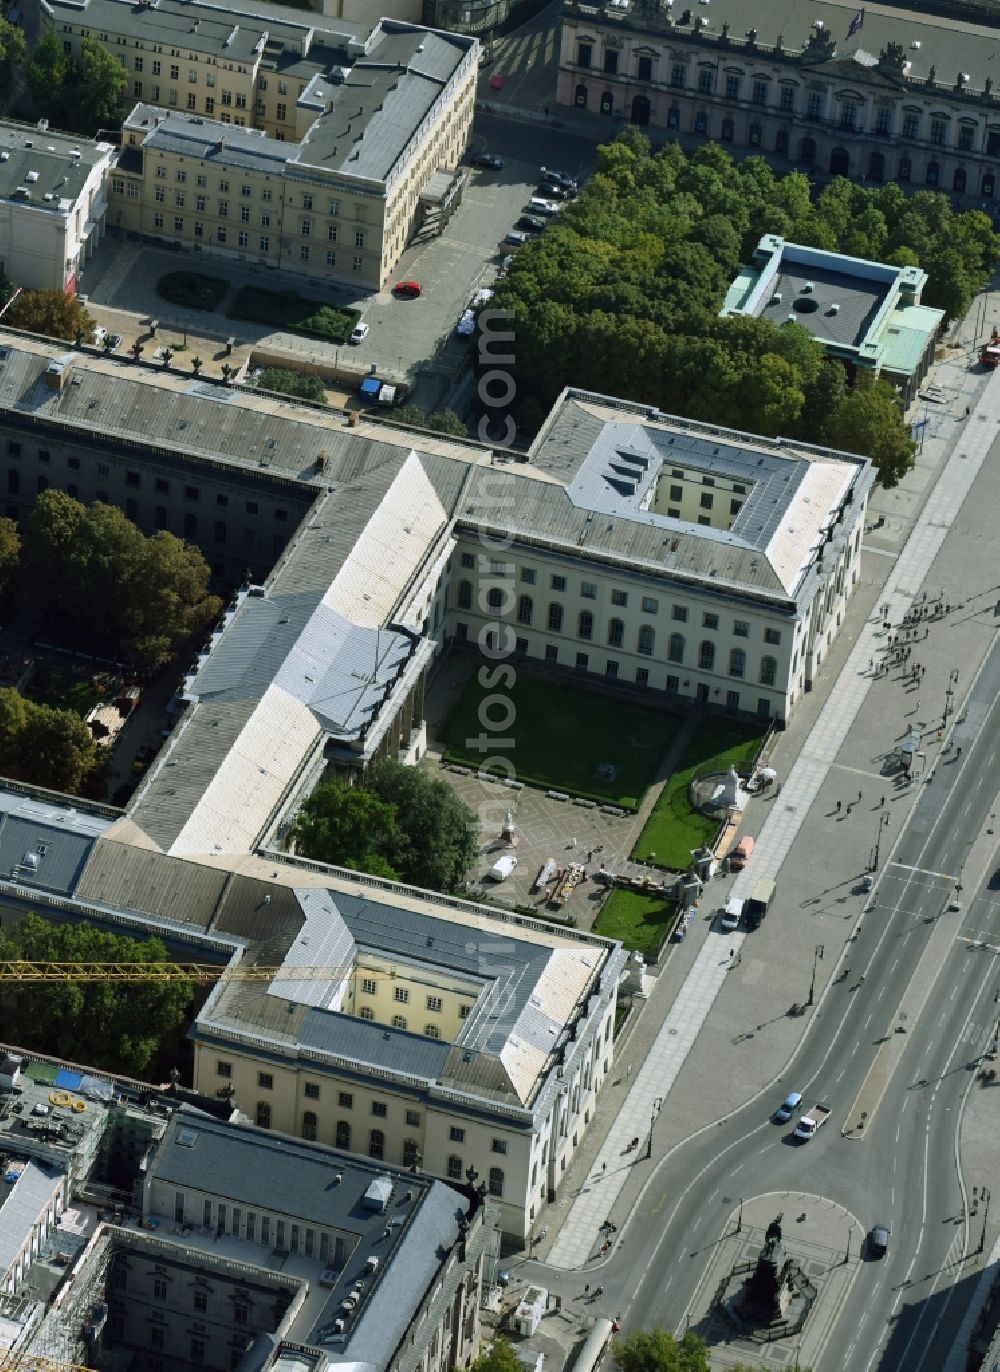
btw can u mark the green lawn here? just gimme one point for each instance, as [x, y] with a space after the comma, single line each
[192, 290]
[287, 310]
[673, 828]
[641, 922]
[562, 734]
[50, 687]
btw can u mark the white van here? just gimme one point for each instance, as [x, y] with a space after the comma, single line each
[546, 208]
[503, 867]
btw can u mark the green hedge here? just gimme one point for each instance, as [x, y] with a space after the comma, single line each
[287, 310]
[192, 290]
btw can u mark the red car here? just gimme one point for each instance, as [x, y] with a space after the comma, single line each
[406, 290]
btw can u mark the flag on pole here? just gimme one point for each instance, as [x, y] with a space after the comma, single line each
[856, 24]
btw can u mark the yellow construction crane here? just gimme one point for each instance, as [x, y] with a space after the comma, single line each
[200, 972]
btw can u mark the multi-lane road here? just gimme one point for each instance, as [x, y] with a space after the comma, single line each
[890, 1152]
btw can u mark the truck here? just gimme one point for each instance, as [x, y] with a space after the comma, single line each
[758, 902]
[814, 1120]
[989, 353]
[375, 392]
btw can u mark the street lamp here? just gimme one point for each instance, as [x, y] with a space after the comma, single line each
[657, 1107]
[883, 823]
[986, 1211]
[847, 1253]
[739, 1222]
[817, 957]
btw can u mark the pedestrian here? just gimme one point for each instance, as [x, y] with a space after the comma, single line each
[586, 1287]
[838, 807]
[860, 796]
[628, 1070]
[604, 1168]
[732, 952]
[882, 803]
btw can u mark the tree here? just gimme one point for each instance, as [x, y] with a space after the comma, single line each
[435, 841]
[51, 313]
[169, 604]
[869, 420]
[95, 89]
[303, 385]
[499, 1357]
[45, 74]
[10, 552]
[56, 748]
[117, 1027]
[655, 1350]
[12, 53]
[439, 421]
[348, 826]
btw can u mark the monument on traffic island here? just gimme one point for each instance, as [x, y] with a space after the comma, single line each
[768, 1296]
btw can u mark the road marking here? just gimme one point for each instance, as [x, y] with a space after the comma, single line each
[924, 871]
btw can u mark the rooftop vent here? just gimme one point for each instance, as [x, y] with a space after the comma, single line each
[808, 288]
[915, 45]
[776, 298]
[834, 308]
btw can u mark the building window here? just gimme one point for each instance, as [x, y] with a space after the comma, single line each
[311, 1090]
[413, 1119]
[675, 649]
[435, 1003]
[399, 1021]
[939, 130]
[649, 605]
[263, 1114]
[528, 576]
[646, 640]
[759, 92]
[882, 120]
[156, 1336]
[644, 69]
[772, 636]
[357, 264]
[585, 625]
[706, 80]
[223, 1069]
[369, 985]
[243, 238]
[465, 595]
[814, 106]
[611, 61]
[525, 606]
[707, 500]
[366, 1012]
[732, 87]
[496, 1181]
[619, 598]
[966, 133]
[555, 618]
[581, 662]
[786, 98]
[343, 1134]
[265, 1080]
[588, 590]
[679, 612]
[456, 1134]
[741, 628]
[737, 662]
[558, 583]
[706, 656]
[379, 1109]
[498, 1146]
[768, 671]
[345, 1100]
[911, 125]
[678, 75]
[454, 1169]
[200, 1300]
[611, 668]
[616, 633]
[376, 1144]
[159, 1288]
[709, 621]
[848, 114]
[401, 995]
[432, 1031]
[584, 54]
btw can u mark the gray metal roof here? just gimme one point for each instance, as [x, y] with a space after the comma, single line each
[55, 164]
[372, 116]
[209, 140]
[22, 1203]
[45, 846]
[407, 1222]
[832, 305]
[121, 874]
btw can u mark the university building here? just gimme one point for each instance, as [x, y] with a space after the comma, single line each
[901, 96]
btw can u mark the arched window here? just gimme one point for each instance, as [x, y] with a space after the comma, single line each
[673, 117]
[454, 1168]
[646, 640]
[616, 633]
[585, 625]
[988, 184]
[525, 607]
[706, 655]
[737, 662]
[399, 1021]
[768, 671]
[343, 1134]
[160, 517]
[876, 167]
[580, 98]
[958, 180]
[905, 169]
[496, 1181]
[263, 1114]
[465, 595]
[411, 1153]
[701, 122]
[728, 128]
[933, 173]
[607, 102]
[13, 482]
[220, 531]
[432, 1031]
[494, 598]
[781, 142]
[190, 526]
[755, 135]
[376, 1144]
[309, 1125]
[555, 618]
[675, 652]
[807, 151]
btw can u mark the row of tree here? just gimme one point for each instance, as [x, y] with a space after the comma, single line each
[404, 825]
[108, 1024]
[651, 1350]
[622, 293]
[43, 745]
[148, 597]
[80, 94]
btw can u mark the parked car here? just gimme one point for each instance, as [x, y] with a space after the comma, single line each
[466, 326]
[114, 343]
[546, 208]
[729, 918]
[359, 333]
[516, 238]
[100, 334]
[488, 161]
[560, 178]
[878, 1240]
[552, 190]
[787, 1108]
[407, 290]
[529, 222]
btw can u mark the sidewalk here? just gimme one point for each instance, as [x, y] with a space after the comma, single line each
[579, 1233]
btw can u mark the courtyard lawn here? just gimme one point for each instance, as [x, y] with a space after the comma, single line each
[192, 290]
[565, 739]
[641, 922]
[49, 686]
[674, 828]
[287, 310]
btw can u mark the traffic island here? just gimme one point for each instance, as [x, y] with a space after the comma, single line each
[777, 1278]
